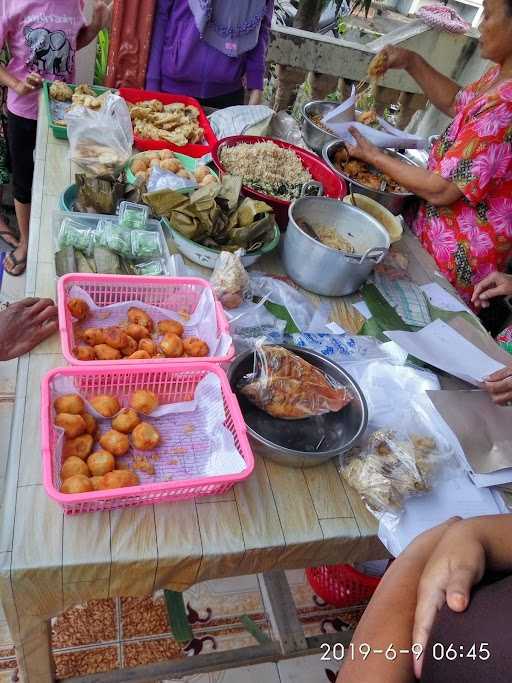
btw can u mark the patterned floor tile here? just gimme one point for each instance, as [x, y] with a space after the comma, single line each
[138, 653]
[84, 662]
[93, 622]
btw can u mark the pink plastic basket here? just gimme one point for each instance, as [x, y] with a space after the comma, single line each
[171, 383]
[173, 293]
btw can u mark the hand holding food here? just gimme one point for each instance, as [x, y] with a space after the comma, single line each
[390, 57]
[499, 386]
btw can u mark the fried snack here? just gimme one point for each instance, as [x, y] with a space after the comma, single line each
[120, 479]
[130, 347]
[138, 332]
[69, 403]
[286, 386]
[93, 336]
[170, 327]
[105, 352]
[139, 165]
[73, 425]
[141, 463]
[78, 308]
[73, 466]
[105, 405]
[115, 337]
[115, 442]
[171, 346]
[84, 89]
[97, 483]
[101, 462]
[84, 353]
[126, 421]
[137, 316]
[368, 118]
[89, 101]
[139, 355]
[79, 447]
[90, 423]
[149, 346]
[144, 401]
[195, 347]
[172, 123]
[145, 437]
[61, 91]
[378, 66]
[165, 153]
[77, 484]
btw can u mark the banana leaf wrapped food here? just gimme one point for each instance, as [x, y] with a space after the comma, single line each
[103, 194]
[215, 216]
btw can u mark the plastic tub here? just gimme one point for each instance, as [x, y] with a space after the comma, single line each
[60, 131]
[174, 293]
[171, 383]
[341, 585]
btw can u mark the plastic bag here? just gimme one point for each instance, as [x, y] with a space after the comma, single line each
[229, 280]
[286, 386]
[161, 179]
[101, 140]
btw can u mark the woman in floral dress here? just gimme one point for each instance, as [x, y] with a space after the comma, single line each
[465, 218]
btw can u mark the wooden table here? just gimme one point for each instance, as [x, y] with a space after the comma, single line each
[279, 518]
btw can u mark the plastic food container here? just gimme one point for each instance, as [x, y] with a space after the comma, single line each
[333, 186]
[60, 131]
[132, 95]
[173, 293]
[172, 383]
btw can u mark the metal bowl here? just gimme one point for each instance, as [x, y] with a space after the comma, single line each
[394, 201]
[295, 443]
[315, 136]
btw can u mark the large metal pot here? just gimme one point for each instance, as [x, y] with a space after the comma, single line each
[393, 201]
[315, 136]
[308, 442]
[324, 270]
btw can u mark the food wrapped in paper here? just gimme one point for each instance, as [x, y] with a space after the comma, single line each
[286, 386]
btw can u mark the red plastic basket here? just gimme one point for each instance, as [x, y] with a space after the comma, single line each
[173, 293]
[172, 384]
[334, 186]
[132, 95]
[341, 585]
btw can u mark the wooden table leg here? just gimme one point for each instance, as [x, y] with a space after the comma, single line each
[32, 640]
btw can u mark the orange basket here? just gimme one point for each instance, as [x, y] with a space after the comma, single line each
[341, 585]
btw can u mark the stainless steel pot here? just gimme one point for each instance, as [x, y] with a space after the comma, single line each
[324, 270]
[393, 201]
[308, 442]
[315, 136]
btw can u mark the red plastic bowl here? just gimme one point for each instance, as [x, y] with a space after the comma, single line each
[341, 585]
[334, 186]
[132, 95]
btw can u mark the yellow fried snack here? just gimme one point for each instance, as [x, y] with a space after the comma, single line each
[115, 442]
[149, 346]
[137, 316]
[378, 66]
[144, 401]
[172, 346]
[145, 437]
[77, 484]
[84, 353]
[106, 352]
[61, 91]
[119, 479]
[131, 346]
[126, 421]
[101, 462]
[78, 308]
[73, 425]
[139, 355]
[79, 447]
[106, 405]
[138, 332]
[93, 336]
[170, 327]
[73, 466]
[69, 403]
[90, 423]
[97, 483]
[195, 347]
[115, 337]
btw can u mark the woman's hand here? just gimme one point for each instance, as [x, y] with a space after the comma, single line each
[455, 566]
[397, 58]
[363, 149]
[31, 83]
[499, 386]
[495, 284]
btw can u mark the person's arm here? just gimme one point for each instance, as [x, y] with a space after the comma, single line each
[154, 72]
[425, 184]
[101, 18]
[256, 58]
[32, 82]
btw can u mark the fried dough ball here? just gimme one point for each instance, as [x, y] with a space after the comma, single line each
[139, 355]
[73, 466]
[106, 405]
[79, 447]
[154, 163]
[115, 442]
[73, 425]
[93, 336]
[100, 463]
[77, 484]
[144, 401]
[105, 352]
[69, 403]
[172, 346]
[201, 173]
[139, 165]
[119, 479]
[130, 347]
[97, 483]
[115, 337]
[78, 308]
[140, 317]
[126, 421]
[149, 346]
[145, 437]
[170, 327]
[90, 423]
[195, 347]
[84, 353]
[138, 332]
[166, 154]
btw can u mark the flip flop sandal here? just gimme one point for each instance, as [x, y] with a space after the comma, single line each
[21, 262]
[4, 234]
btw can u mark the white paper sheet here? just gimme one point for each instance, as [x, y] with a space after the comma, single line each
[439, 297]
[343, 113]
[439, 345]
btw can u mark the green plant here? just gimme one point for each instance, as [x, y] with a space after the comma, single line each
[342, 26]
[100, 67]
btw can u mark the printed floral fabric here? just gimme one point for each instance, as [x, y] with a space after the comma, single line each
[473, 236]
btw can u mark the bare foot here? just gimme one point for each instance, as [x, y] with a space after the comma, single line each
[16, 262]
[24, 325]
[7, 234]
